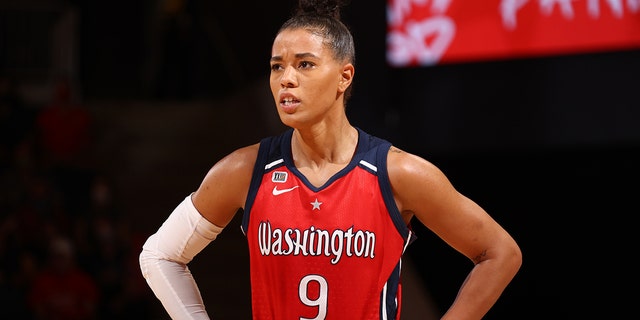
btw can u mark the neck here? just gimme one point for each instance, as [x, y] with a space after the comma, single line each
[324, 145]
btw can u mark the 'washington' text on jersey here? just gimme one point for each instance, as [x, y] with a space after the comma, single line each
[316, 242]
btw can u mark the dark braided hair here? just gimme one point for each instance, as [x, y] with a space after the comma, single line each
[322, 18]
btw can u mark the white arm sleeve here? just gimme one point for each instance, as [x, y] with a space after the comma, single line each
[164, 258]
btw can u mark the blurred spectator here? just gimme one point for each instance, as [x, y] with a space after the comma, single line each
[18, 266]
[65, 128]
[16, 120]
[62, 290]
[101, 196]
[65, 140]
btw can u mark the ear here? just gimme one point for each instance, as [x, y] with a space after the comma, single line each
[346, 77]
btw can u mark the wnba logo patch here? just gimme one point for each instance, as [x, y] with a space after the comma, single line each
[279, 176]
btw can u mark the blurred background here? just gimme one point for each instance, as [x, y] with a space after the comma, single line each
[113, 111]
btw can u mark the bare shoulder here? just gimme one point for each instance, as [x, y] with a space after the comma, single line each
[236, 166]
[416, 182]
[239, 160]
[224, 188]
[404, 165]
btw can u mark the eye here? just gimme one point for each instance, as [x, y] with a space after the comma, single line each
[306, 65]
[276, 67]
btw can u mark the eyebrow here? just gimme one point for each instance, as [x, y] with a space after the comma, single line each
[297, 55]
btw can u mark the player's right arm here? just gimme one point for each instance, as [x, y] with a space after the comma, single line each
[192, 225]
[224, 189]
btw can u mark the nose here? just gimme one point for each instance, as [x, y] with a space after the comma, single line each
[288, 78]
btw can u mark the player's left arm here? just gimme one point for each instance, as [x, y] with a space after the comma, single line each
[423, 191]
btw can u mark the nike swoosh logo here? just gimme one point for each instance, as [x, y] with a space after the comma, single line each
[279, 192]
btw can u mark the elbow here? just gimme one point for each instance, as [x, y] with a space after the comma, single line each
[513, 258]
[149, 256]
[145, 260]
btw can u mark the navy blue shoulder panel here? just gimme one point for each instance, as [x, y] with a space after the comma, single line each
[269, 152]
[375, 151]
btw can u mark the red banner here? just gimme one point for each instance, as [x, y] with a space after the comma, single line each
[430, 32]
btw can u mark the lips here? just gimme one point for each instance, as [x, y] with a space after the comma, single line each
[288, 102]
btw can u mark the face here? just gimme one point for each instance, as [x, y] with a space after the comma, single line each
[307, 83]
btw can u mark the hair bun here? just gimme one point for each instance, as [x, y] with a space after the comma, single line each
[321, 7]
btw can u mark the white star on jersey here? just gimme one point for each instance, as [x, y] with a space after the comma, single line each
[316, 205]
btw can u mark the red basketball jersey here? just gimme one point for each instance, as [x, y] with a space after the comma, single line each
[329, 252]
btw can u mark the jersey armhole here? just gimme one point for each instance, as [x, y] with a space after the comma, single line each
[387, 193]
[256, 180]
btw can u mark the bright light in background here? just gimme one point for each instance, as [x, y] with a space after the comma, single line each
[431, 32]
